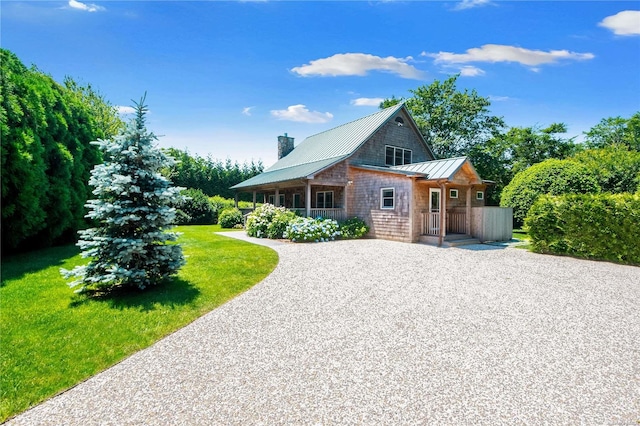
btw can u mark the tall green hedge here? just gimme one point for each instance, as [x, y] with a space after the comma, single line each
[46, 129]
[551, 176]
[593, 226]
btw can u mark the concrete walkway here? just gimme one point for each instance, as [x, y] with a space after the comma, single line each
[377, 332]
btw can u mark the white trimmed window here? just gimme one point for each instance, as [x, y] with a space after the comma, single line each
[395, 156]
[480, 195]
[453, 193]
[324, 199]
[387, 198]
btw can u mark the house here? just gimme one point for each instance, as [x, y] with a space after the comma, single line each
[380, 169]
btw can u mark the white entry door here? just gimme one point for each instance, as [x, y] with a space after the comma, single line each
[434, 211]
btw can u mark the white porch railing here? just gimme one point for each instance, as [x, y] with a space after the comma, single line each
[430, 223]
[335, 214]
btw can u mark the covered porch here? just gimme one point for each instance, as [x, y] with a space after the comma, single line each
[308, 198]
[448, 213]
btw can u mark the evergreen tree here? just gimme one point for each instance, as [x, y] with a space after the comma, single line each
[130, 247]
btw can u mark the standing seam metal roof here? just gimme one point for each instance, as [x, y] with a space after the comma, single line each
[337, 142]
[323, 149]
[436, 169]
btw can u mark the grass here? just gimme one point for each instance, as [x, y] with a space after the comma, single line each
[52, 338]
[522, 235]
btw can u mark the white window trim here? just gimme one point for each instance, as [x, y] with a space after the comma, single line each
[395, 148]
[382, 198]
[332, 199]
[479, 195]
[453, 191]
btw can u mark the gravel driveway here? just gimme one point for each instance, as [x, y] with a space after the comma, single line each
[378, 332]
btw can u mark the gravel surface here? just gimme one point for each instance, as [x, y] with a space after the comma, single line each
[378, 332]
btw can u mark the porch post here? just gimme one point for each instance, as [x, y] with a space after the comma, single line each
[443, 213]
[276, 201]
[468, 218]
[344, 200]
[307, 200]
[236, 199]
[254, 200]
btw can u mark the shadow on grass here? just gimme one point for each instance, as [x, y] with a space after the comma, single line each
[170, 293]
[17, 266]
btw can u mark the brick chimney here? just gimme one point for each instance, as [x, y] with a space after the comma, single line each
[285, 146]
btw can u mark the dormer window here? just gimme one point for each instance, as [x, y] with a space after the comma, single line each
[396, 156]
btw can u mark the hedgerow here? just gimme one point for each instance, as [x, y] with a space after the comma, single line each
[553, 177]
[593, 226]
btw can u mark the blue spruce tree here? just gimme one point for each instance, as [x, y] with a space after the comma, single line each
[130, 246]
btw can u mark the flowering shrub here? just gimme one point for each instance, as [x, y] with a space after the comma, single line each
[353, 228]
[268, 221]
[308, 229]
[229, 218]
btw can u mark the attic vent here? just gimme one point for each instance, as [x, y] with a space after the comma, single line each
[400, 121]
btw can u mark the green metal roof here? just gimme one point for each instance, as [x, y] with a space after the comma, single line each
[437, 169]
[290, 173]
[321, 150]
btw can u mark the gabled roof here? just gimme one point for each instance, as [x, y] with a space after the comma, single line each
[430, 170]
[324, 149]
[436, 169]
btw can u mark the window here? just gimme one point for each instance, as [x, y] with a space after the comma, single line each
[272, 200]
[387, 198]
[324, 199]
[296, 201]
[395, 156]
[453, 193]
[480, 195]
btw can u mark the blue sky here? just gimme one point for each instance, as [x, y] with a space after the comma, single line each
[226, 78]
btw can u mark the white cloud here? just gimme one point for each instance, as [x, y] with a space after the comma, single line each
[471, 71]
[247, 110]
[86, 7]
[469, 4]
[122, 110]
[623, 23]
[367, 101]
[358, 64]
[504, 53]
[499, 98]
[301, 114]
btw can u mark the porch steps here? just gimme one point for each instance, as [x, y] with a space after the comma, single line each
[454, 240]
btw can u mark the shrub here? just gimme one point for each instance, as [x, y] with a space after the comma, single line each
[230, 218]
[308, 229]
[551, 176]
[268, 221]
[594, 226]
[353, 228]
[616, 168]
[195, 209]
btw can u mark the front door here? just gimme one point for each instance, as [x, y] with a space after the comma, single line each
[434, 211]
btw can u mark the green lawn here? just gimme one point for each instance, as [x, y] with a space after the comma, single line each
[52, 338]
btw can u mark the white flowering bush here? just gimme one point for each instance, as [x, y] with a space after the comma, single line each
[306, 229]
[130, 246]
[268, 221]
